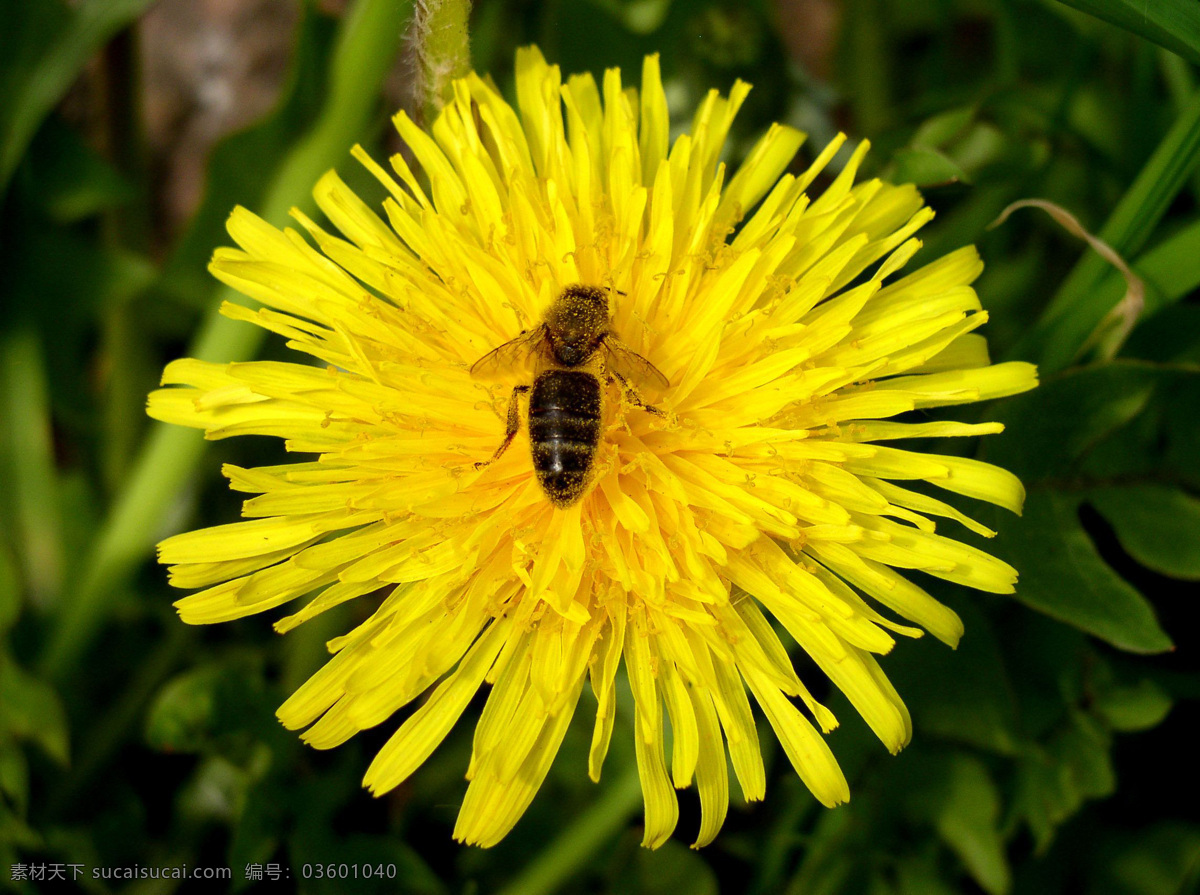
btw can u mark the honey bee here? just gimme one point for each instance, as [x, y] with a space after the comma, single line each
[573, 348]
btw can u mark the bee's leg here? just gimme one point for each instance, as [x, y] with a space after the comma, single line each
[634, 396]
[512, 427]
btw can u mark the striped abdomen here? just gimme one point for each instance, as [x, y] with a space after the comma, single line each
[564, 432]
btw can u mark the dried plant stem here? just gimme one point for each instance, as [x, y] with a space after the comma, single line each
[1118, 323]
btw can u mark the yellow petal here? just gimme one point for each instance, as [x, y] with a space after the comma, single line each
[416, 739]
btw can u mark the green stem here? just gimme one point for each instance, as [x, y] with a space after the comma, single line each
[364, 54]
[30, 453]
[441, 42]
[127, 361]
[128, 374]
[576, 845]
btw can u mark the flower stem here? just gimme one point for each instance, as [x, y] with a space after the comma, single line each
[364, 54]
[442, 46]
[582, 839]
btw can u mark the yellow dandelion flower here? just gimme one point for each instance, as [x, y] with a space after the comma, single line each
[760, 482]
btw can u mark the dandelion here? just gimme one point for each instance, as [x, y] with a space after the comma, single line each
[768, 486]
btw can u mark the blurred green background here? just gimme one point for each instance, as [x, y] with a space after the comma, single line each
[1053, 751]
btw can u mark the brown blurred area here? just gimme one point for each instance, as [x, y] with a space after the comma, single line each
[199, 70]
[809, 29]
[209, 67]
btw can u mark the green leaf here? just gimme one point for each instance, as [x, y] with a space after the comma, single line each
[1171, 335]
[14, 777]
[943, 128]
[1161, 860]
[195, 710]
[54, 306]
[954, 793]
[962, 695]
[1049, 429]
[310, 823]
[966, 819]
[1174, 24]
[63, 300]
[1062, 573]
[260, 823]
[181, 718]
[51, 47]
[1159, 445]
[30, 710]
[638, 16]
[68, 179]
[1134, 707]
[866, 54]
[829, 865]
[1053, 782]
[1156, 525]
[920, 876]
[216, 791]
[1087, 749]
[15, 832]
[925, 167]
[1064, 576]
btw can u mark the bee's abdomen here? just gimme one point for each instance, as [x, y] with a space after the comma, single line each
[564, 431]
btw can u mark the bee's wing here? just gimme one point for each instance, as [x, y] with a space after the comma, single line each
[511, 355]
[627, 363]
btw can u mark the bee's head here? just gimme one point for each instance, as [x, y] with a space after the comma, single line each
[576, 322]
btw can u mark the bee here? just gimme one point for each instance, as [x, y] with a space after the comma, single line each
[573, 348]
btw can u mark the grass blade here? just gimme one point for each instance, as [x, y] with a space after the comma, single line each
[1174, 24]
[30, 451]
[38, 89]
